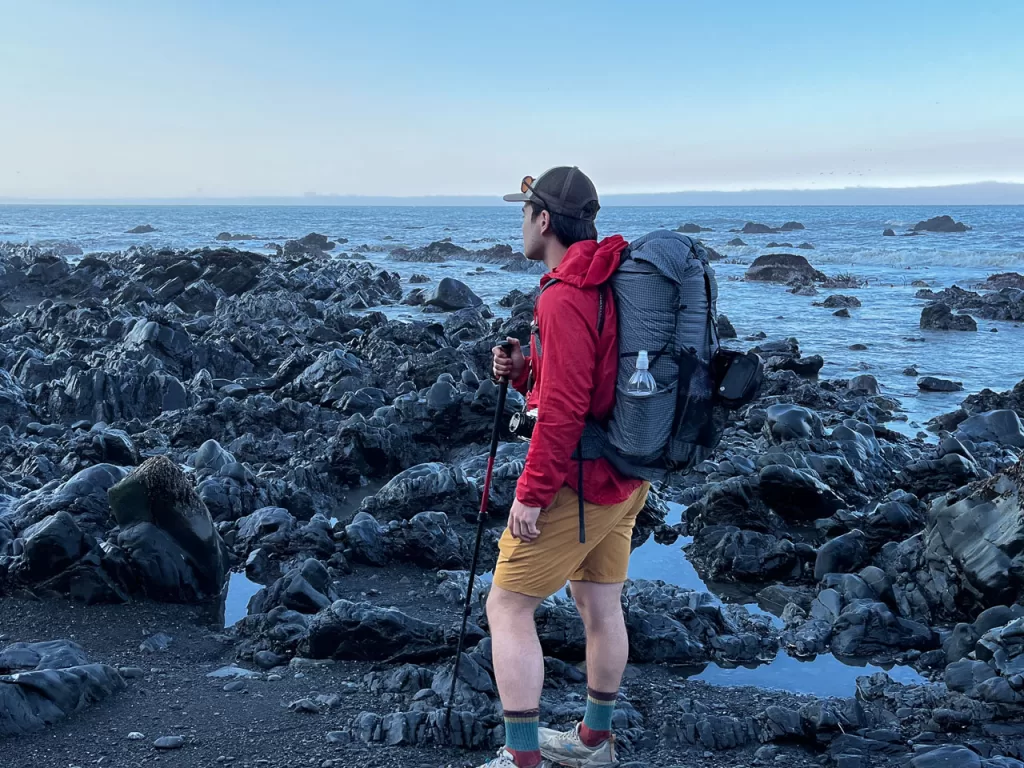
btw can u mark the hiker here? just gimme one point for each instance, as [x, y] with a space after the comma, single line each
[551, 538]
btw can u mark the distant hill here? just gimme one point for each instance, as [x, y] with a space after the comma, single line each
[981, 193]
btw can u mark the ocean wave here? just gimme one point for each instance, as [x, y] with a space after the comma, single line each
[884, 257]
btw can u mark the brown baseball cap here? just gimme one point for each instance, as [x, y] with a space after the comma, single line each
[563, 190]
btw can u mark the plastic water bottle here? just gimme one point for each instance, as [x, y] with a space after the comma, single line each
[642, 383]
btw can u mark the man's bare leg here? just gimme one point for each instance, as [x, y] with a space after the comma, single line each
[518, 669]
[607, 642]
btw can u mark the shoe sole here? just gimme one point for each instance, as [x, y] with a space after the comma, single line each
[581, 762]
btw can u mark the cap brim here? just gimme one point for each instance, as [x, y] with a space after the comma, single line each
[518, 197]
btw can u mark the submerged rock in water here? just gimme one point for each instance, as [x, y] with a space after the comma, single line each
[932, 384]
[141, 229]
[451, 294]
[838, 300]
[783, 268]
[940, 224]
[692, 229]
[939, 317]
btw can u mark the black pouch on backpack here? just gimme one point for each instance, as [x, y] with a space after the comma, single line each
[738, 377]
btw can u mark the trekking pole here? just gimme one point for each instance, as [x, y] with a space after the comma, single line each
[484, 498]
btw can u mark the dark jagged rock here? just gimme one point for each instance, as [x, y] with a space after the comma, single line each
[939, 317]
[230, 237]
[725, 328]
[51, 681]
[844, 554]
[427, 539]
[348, 630]
[421, 488]
[798, 494]
[940, 224]
[733, 502]
[783, 268]
[866, 628]
[785, 355]
[1003, 280]
[313, 244]
[1002, 427]
[725, 553]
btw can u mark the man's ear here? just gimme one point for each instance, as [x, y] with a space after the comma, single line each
[545, 222]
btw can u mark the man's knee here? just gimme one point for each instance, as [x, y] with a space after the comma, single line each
[600, 606]
[503, 606]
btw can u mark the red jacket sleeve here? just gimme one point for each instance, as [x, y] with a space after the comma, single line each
[568, 336]
[520, 382]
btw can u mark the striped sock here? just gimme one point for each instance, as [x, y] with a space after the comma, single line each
[522, 738]
[597, 721]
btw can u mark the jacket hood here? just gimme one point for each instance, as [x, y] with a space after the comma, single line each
[589, 263]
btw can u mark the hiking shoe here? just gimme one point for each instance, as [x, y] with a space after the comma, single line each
[504, 760]
[567, 748]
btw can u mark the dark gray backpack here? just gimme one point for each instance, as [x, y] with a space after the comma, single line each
[665, 297]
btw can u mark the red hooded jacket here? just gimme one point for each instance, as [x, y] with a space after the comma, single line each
[574, 377]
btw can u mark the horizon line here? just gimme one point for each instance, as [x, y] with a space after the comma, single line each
[1008, 192]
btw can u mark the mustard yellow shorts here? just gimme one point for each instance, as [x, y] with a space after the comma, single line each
[542, 567]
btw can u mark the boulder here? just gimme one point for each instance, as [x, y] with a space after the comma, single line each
[725, 328]
[168, 533]
[866, 628]
[725, 553]
[888, 233]
[141, 229]
[865, 384]
[692, 229]
[939, 317]
[797, 494]
[783, 268]
[366, 632]
[792, 422]
[933, 384]
[982, 534]
[844, 554]
[451, 294]
[940, 224]
[736, 242]
[753, 228]
[1003, 427]
[791, 226]
[31, 700]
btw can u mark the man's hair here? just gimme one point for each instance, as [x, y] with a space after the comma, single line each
[566, 229]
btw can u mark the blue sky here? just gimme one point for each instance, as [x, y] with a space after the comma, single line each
[149, 99]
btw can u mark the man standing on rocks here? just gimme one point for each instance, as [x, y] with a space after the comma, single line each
[572, 520]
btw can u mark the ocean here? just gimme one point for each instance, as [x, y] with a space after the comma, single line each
[845, 239]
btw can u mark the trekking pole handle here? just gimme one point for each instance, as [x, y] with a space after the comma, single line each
[507, 348]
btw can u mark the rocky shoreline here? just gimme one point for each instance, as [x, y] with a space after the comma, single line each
[169, 416]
